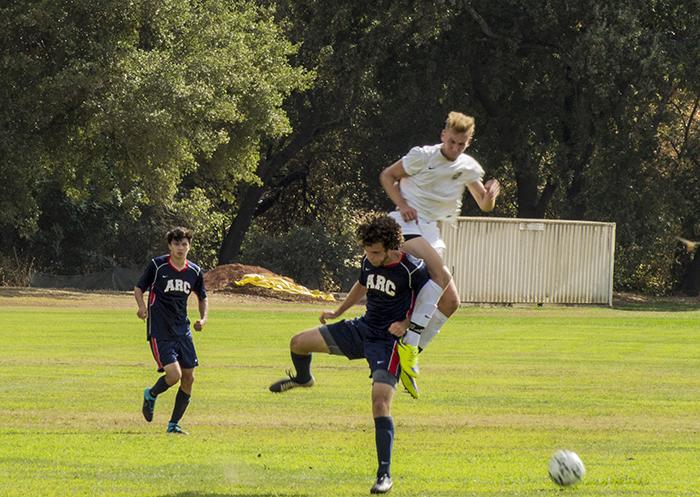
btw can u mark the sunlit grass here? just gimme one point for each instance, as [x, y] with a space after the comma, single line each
[502, 389]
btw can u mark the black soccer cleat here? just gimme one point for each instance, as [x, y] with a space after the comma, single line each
[382, 485]
[149, 404]
[289, 383]
[175, 428]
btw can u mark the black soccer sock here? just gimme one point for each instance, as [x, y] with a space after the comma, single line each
[302, 365]
[384, 438]
[160, 387]
[182, 400]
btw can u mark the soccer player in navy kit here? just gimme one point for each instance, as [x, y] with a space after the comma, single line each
[390, 279]
[169, 280]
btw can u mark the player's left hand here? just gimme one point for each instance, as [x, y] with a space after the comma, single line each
[398, 328]
[493, 188]
[327, 315]
[199, 324]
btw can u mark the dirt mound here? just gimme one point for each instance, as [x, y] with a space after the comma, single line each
[222, 278]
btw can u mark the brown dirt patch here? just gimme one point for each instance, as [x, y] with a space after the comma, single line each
[223, 278]
[50, 298]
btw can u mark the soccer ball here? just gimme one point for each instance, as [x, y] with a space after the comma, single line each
[566, 468]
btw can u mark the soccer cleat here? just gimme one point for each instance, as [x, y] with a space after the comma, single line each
[410, 384]
[382, 485]
[408, 357]
[175, 428]
[149, 404]
[289, 383]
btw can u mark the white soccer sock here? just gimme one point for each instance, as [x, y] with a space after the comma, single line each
[429, 332]
[411, 337]
[426, 304]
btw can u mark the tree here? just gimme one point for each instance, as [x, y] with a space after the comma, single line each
[569, 99]
[139, 102]
[346, 44]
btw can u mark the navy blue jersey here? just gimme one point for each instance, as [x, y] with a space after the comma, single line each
[391, 290]
[169, 289]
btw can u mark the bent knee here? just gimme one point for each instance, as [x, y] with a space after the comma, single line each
[296, 344]
[172, 378]
[449, 302]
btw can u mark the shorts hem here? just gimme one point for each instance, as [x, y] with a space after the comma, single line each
[333, 348]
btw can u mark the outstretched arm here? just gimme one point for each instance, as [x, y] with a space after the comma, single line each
[389, 179]
[354, 296]
[485, 194]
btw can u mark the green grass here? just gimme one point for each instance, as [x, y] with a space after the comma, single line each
[502, 389]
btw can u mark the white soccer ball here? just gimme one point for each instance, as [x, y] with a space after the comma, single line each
[566, 468]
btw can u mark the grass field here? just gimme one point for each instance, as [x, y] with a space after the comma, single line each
[502, 389]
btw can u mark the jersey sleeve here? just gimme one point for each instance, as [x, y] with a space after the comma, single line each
[363, 274]
[415, 161]
[199, 288]
[474, 171]
[420, 278]
[146, 279]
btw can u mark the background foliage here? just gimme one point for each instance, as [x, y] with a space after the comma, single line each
[260, 123]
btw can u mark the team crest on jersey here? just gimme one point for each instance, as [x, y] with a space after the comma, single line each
[379, 282]
[456, 175]
[177, 286]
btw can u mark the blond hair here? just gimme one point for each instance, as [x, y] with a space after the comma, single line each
[461, 123]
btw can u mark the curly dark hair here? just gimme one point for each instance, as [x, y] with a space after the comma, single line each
[178, 234]
[380, 229]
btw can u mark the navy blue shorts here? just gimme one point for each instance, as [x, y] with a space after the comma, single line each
[177, 349]
[355, 340]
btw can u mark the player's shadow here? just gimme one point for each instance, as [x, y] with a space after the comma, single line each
[660, 306]
[202, 494]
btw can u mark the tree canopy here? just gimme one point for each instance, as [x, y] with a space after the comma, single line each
[134, 106]
[260, 122]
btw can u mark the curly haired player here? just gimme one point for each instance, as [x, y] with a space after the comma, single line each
[390, 279]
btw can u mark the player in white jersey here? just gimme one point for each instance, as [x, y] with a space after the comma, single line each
[427, 186]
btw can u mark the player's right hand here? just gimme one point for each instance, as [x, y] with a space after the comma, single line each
[493, 188]
[408, 213]
[142, 313]
[327, 315]
[398, 328]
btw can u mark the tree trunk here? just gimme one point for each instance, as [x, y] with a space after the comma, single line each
[691, 279]
[231, 246]
[532, 203]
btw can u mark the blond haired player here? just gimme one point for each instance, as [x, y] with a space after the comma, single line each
[427, 186]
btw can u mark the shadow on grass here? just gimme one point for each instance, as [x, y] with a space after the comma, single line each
[53, 293]
[688, 304]
[264, 494]
[629, 302]
[658, 307]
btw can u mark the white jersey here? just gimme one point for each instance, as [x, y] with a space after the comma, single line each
[435, 185]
